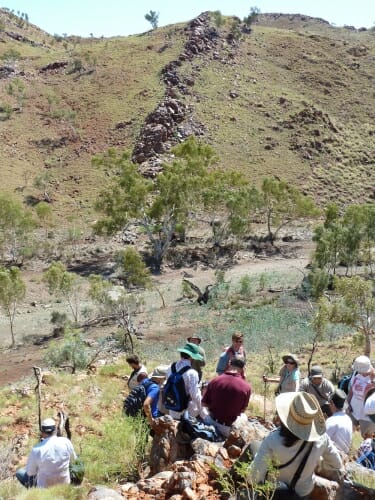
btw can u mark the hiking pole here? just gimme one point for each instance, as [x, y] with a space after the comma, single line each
[264, 397]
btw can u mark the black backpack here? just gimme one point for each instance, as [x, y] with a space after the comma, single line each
[133, 404]
[174, 392]
[344, 382]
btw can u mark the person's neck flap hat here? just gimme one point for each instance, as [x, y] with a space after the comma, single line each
[191, 350]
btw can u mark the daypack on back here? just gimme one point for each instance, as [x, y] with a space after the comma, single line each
[133, 404]
[174, 392]
[344, 382]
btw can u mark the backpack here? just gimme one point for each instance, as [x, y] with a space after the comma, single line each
[344, 383]
[174, 391]
[198, 429]
[133, 404]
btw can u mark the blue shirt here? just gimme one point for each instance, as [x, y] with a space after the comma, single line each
[152, 391]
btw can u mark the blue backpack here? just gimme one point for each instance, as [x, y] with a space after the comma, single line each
[344, 383]
[174, 392]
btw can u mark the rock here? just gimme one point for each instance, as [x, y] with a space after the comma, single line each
[103, 493]
[203, 447]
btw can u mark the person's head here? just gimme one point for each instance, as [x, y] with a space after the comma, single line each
[194, 339]
[290, 361]
[134, 361]
[236, 365]
[301, 414]
[190, 351]
[159, 374]
[237, 340]
[48, 427]
[337, 400]
[316, 375]
[362, 365]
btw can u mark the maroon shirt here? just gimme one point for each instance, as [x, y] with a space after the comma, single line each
[227, 396]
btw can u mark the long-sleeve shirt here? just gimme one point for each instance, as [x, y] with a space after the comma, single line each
[49, 461]
[273, 452]
[191, 381]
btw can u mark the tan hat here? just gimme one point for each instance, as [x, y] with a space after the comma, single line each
[290, 356]
[194, 337]
[301, 414]
[160, 371]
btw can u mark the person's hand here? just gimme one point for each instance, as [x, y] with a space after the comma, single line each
[265, 379]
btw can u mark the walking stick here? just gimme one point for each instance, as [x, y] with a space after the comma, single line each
[38, 391]
[264, 398]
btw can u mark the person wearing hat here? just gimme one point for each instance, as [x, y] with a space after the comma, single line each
[339, 426]
[300, 438]
[236, 350]
[152, 386]
[289, 375]
[356, 397]
[188, 353]
[320, 387]
[226, 387]
[48, 462]
[195, 363]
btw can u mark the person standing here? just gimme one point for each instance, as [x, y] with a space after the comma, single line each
[289, 375]
[236, 350]
[226, 388]
[339, 426]
[195, 363]
[320, 387]
[48, 462]
[356, 397]
[137, 367]
[191, 381]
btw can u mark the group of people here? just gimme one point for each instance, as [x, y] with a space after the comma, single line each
[314, 420]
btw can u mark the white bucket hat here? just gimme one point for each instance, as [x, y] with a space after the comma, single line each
[362, 364]
[301, 414]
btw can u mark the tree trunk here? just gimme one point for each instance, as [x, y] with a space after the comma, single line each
[367, 343]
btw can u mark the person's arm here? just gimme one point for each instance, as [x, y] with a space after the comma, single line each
[331, 456]
[259, 466]
[222, 363]
[32, 465]
[147, 409]
[271, 379]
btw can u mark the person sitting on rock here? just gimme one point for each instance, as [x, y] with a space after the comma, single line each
[48, 462]
[236, 350]
[152, 385]
[320, 387]
[226, 397]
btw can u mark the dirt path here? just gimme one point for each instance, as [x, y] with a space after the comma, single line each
[33, 320]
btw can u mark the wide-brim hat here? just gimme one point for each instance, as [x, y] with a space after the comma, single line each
[159, 372]
[291, 356]
[362, 364]
[192, 351]
[301, 414]
[196, 337]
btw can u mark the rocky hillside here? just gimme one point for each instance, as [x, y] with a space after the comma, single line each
[292, 97]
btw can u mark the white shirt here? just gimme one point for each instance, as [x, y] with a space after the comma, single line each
[132, 382]
[339, 428]
[191, 381]
[359, 384]
[273, 451]
[49, 461]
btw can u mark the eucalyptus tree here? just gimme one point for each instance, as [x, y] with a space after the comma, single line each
[12, 291]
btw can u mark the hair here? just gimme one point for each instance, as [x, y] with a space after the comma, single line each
[133, 359]
[288, 437]
[183, 355]
[237, 363]
[237, 336]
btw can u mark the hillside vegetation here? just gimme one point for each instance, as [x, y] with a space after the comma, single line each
[293, 98]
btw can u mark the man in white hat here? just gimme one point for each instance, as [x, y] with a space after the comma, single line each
[301, 439]
[49, 460]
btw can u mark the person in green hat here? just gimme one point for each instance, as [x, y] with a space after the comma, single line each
[190, 377]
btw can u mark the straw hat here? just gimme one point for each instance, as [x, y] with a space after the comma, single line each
[301, 414]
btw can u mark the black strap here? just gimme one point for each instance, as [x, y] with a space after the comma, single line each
[301, 466]
[183, 369]
[318, 392]
[293, 458]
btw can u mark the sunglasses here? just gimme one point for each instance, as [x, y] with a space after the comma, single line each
[238, 341]
[289, 362]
